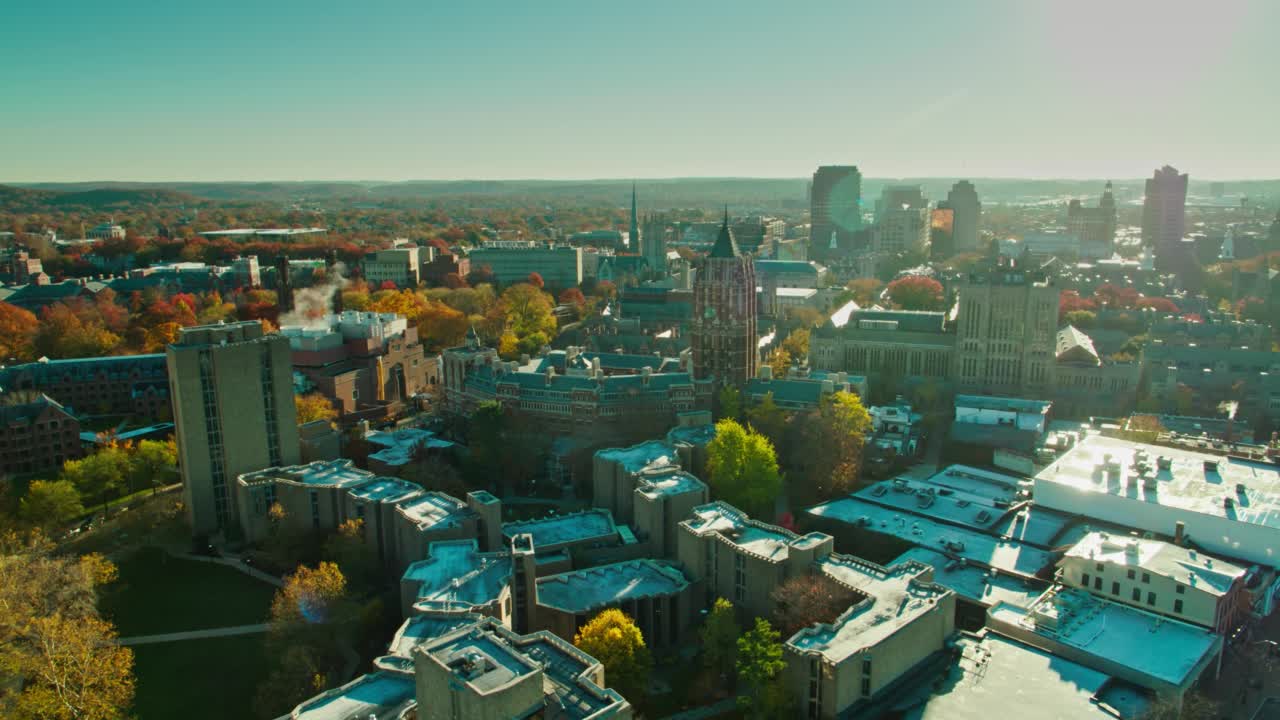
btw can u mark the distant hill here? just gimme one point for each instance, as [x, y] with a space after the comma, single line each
[26, 199]
[740, 194]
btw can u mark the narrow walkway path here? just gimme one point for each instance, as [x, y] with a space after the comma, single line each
[195, 634]
[230, 561]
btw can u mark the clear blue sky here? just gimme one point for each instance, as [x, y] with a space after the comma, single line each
[276, 89]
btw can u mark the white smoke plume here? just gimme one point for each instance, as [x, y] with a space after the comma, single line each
[311, 305]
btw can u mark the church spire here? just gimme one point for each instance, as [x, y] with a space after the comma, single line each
[725, 246]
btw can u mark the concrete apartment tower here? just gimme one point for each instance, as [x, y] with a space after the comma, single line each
[724, 314]
[967, 218]
[232, 390]
[835, 210]
[1164, 211]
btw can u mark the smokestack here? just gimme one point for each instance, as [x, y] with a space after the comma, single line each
[1179, 531]
[331, 262]
[284, 285]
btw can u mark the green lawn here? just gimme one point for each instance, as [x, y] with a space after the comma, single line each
[157, 593]
[197, 679]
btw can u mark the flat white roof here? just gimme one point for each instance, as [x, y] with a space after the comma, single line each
[892, 599]
[1185, 485]
[1146, 643]
[769, 542]
[976, 584]
[979, 548]
[996, 677]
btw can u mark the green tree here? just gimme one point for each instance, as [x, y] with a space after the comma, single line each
[780, 362]
[357, 560]
[527, 310]
[730, 402]
[50, 503]
[797, 343]
[742, 468]
[153, 464]
[769, 419]
[760, 667]
[99, 475]
[828, 447]
[613, 638]
[719, 635]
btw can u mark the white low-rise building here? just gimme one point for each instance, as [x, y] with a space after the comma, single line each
[1159, 577]
[1226, 506]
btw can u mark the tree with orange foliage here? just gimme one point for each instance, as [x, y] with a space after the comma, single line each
[535, 279]
[916, 292]
[18, 328]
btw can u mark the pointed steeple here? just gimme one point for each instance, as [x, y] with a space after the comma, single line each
[635, 225]
[725, 246]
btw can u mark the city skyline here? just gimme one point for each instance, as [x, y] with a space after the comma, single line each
[574, 91]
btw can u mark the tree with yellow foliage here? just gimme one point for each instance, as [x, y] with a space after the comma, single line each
[312, 407]
[613, 638]
[52, 639]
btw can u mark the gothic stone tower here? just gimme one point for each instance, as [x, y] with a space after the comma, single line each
[724, 314]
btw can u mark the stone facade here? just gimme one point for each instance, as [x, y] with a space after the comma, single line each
[723, 328]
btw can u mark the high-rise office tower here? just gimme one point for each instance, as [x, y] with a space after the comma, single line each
[1164, 211]
[1006, 334]
[1095, 228]
[898, 197]
[966, 218]
[835, 210]
[232, 391]
[723, 334]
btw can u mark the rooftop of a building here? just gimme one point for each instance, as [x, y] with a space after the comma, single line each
[1176, 478]
[90, 366]
[641, 456]
[385, 489]
[1074, 346]
[1116, 635]
[578, 359]
[973, 583]
[787, 266]
[960, 495]
[434, 511]
[29, 410]
[264, 232]
[668, 481]
[399, 446]
[994, 676]
[1183, 565]
[595, 524]
[338, 474]
[456, 576]
[697, 435]
[488, 657]
[1009, 556]
[762, 540]
[583, 591]
[420, 628]
[1004, 404]
[378, 695]
[893, 597]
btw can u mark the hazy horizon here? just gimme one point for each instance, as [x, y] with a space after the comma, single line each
[401, 91]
